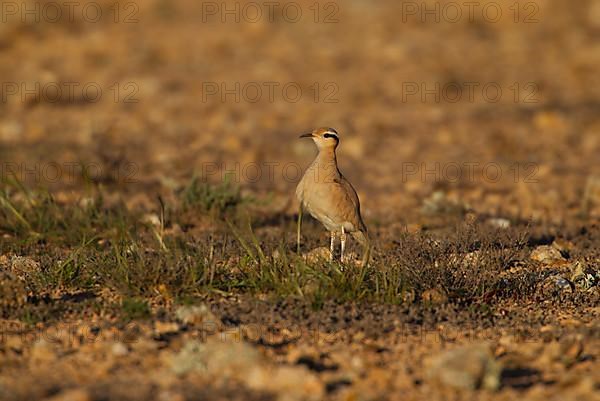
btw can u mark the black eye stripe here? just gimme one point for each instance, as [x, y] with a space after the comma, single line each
[331, 136]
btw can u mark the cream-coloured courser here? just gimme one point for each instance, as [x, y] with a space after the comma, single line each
[329, 197]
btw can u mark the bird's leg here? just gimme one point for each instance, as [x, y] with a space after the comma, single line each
[343, 241]
[298, 228]
[366, 255]
[331, 246]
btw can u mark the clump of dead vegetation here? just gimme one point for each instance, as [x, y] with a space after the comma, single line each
[468, 263]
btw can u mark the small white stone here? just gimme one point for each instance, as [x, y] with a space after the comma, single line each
[119, 349]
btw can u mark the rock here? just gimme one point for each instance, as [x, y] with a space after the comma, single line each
[439, 203]
[317, 255]
[562, 283]
[556, 284]
[547, 255]
[467, 368]
[191, 358]
[162, 328]
[198, 315]
[119, 349]
[222, 358]
[71, 395]
[499, 222]
[583, 277]
[216, 357]
[23, 266]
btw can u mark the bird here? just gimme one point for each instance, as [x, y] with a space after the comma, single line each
[329, 197]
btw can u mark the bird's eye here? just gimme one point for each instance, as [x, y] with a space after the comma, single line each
[330, 136]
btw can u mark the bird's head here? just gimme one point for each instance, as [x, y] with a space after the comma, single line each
[324, 137]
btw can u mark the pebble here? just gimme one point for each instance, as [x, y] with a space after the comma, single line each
[196, 315]
[555, 283]
[439, 203]
[317, 255]
[161, 328]
[499, 222]
[224, 359]
[546, 255]
[583, 276]
[119, 349]
[216, 357]
[467, 368]
[23, 266]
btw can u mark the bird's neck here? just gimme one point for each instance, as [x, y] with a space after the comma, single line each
[326, 159]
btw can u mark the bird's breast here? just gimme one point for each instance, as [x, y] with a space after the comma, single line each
[326, 203]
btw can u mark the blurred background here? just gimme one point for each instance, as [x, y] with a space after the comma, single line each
[492, 106]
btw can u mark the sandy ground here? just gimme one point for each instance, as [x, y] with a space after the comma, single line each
[483, 115]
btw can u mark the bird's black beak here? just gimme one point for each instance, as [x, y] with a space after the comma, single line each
[309, 135]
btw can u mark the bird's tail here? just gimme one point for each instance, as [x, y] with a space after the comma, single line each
[363, 239]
